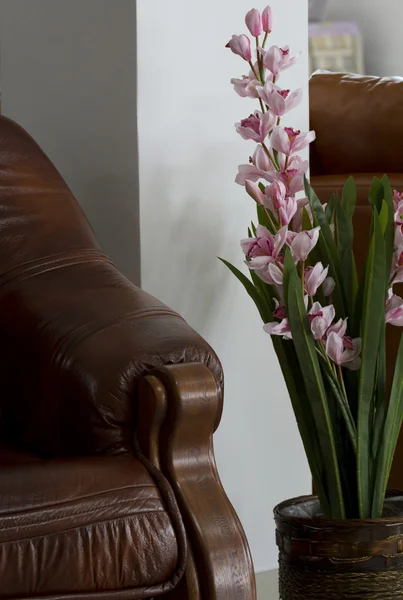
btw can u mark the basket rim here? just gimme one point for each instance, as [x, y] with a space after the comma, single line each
[321, 522]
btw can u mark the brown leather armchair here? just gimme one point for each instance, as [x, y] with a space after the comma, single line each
[109, 402]
[359, 131]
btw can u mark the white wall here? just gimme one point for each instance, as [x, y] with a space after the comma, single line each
[192, 211]
[380, 23]
[68, 75]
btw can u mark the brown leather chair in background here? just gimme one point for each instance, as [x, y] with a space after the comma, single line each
[109, 402]
[359, 131]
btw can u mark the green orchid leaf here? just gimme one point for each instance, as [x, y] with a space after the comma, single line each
[314, 385]
[262, 305]
[372, 318]
[390, 436]
[349, 200]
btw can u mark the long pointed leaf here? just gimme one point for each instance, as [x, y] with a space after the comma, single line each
[390, 436]
[373, 314]
[328, 249]
[390, 225]
[349, 197]
[293, 378]
[312, 376]
[262, 306]
[346, 253]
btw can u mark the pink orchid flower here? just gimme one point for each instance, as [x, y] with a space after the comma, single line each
[344, 351]
[282, 329]
[394, 309]
[397, 198]
[288, 140]
[339, 328]
[246, 86]
[278, 59]
[259, 163]
[278, 202]
[257, 126]
[302, 243]
[240, 45]
[254, 22]
[264, 250]
[320, 319]
[293, 176]
[314, 277]
[398, 208]
[254, 191]
[280, 101]
[267, 19]
[397, 259]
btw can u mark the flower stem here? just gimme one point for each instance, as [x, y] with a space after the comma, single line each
[265, 148]
[270, 220]
[254, 71]
[341, 378]
[259, 61]
[265, 39]
[303, 277]
[260, 81]
[322, 345]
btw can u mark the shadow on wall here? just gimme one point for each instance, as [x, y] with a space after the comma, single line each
[112, 208]
[185, 271]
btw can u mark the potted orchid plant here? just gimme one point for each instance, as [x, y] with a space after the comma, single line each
[328, 327]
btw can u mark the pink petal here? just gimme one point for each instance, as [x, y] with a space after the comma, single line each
[280, 141]
[261, 160]
[267, 122]
[277, 104]
[303, 140]
[276, 273]
[280, 239]
[294, 99]
[338, 328]
[267, 19]
[254, 22]
[249, 172]
[254, 192]
[334, 348]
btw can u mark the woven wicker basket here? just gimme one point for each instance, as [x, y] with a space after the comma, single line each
[339, 560]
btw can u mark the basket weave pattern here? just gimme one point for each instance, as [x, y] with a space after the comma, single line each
[338, 560]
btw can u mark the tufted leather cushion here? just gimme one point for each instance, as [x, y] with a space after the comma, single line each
[75, 333]
[82, 526]
[358, 123]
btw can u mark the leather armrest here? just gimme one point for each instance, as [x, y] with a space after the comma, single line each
[75, 333]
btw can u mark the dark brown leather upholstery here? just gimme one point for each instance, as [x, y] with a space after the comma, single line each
[359, 131]
[82, 525]
[75, 333]
[74, 337]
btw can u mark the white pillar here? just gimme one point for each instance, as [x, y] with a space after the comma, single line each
[192, 212]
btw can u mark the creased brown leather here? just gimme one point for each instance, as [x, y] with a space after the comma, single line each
[358, 124]
[84, 526]
[75, 334]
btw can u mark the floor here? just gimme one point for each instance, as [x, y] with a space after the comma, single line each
[267, 586]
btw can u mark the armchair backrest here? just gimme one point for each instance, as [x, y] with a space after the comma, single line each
[74, 333]
[358, 122]
[359, 131]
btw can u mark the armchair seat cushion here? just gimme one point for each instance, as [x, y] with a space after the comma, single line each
[85, 527]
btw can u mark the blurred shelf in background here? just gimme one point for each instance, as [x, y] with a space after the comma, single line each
[336, 46]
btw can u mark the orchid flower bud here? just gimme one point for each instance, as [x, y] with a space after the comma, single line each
[267, 20]
[254, 22]
[240, 44]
